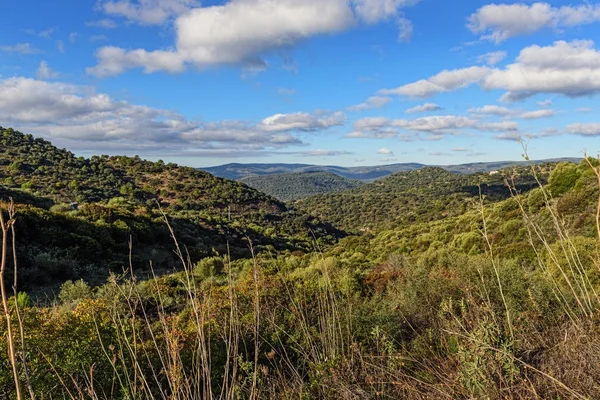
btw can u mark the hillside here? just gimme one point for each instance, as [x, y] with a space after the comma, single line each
[294, 186]
[366, 173]
[408, 197]
[493, 300]
[78, 215]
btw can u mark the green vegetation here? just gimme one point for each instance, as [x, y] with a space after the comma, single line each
[471, 298]
[410, 197]
[288, 187]
[77, 216]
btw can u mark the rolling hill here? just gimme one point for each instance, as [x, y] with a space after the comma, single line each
[409, 197]
[77, 215]
[298, 185]
[367, 173]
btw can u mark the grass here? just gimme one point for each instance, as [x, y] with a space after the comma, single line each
[439, 325]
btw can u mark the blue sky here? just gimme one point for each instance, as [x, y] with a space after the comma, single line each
[344, 82]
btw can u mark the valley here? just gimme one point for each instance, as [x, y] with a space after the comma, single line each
[423, 275]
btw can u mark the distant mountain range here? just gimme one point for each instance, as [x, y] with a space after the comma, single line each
[368, 173]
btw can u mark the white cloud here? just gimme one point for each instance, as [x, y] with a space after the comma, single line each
[433, 127]
[385, 151]
[584, 129]
[238, 32]
[405, 29]
[445, 81]
[492, 110]
[115, 61]
[537, 114]
[147, 12]
[545, 103]
[46, 33]
[584, 110]
[370, 103]
[73, 37]
[322, 153]
[44, 72]
[60, 45]
[427, 107]
[438, 124]
[21, 48]
[497, 126]
[301, 122]
[571, 69]
[512, 136]
[78, 118]
[492, 58]
[499, 22]
[489, 110]
[102, 23]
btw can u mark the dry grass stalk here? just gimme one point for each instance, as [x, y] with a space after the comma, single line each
[6, 226]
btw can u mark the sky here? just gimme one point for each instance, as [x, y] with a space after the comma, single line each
[336, 82]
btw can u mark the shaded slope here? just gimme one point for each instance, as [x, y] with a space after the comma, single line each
[117, 198]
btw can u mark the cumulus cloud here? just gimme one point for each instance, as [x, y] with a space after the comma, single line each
[301, 122]
[432, 127]
[499, 22]
[492, 58]
[147, 12]
[537, 114]
[102, 23]
[511, 136]
[21, 48]
[238, 32]
[445, 81]
[322, 153]
[427, 107]
[79, 118]
[493, 110]
[370, 103]
[568, 68]
[385, 151]
[44, 71]
[584, 129]
[545, 103]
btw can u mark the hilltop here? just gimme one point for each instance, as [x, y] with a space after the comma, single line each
[298, 185]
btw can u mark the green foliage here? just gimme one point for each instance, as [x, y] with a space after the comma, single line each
[450, 298]
[23, 300]
[563, 178]
[412, 197]
[294, 186]
[72, 292]
[78, 215]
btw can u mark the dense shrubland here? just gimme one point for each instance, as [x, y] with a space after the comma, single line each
[294, 186]
[118, 199]
[496, 299]
[405, 198]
